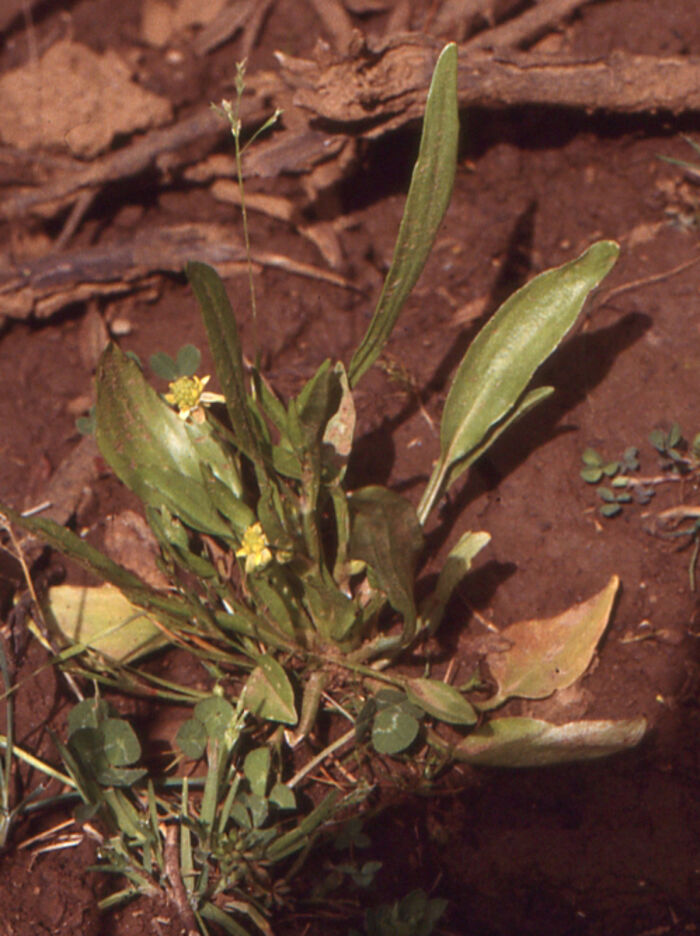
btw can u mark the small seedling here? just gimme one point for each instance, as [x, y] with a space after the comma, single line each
[416, 914]
[595, 469]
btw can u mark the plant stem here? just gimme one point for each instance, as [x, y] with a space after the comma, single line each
[326, 752]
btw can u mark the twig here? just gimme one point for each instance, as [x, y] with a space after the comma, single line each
[129, 161]
[178, 894]
[645, 281]
[315, 761]
[44, 286]
[386, 89]
[528, 27]
[247, 16]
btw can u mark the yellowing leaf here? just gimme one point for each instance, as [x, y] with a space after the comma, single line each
[441, 701]
[102, 619]
[529, 742]
[550, 654]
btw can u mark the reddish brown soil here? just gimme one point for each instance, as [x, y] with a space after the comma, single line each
[606, 849]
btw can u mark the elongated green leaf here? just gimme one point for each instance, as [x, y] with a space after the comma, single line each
[457, 564]
[256, 768]
[149, 447]
[318, 400]
[529, 742]
[332, 611]
[528, 401]
[550, 654]
[225, 345]
[441, 701]
[385, 534]
[269, 694]
[428, 197]
[508, 350]
[227, 923]
[299, 834]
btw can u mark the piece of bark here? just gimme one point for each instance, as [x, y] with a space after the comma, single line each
[40, 287]
[528, 27]
[143, 153]
[454, 18]
[383, 89]
[247, 16]
[71, 482]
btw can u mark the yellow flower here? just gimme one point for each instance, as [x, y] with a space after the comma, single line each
[187, 393]
[255, 549]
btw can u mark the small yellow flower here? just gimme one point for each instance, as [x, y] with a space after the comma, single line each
[255, 549]
[187, 394]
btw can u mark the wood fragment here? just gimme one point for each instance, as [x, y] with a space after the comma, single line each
[131, 160]
[454, 18]
[383, 89]
[528, 27]
[336, 22]
[400, 18]
[41, 287]
[247, 16]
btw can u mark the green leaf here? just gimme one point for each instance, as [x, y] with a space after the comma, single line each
[528, 401]
[675, 434]
[385, 534]
[101, 618]
[333, 612]
[428, 197]
[441, 701]
[591, 458]
[191, 738]
[121, 746]
[551, 653]
[216, 714]
[299, 834]
[393, 729]
[318, 400]
[188, 360]
[457, 565]
[502, 359]
[269, 693]
[148, 446]
[225, 345]
[413, 915]
[283, 797]
[256, 768]
[90, 713]
[591, 475]
[610, 510]
[216, 915]
[163, 366]
[529, 742]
